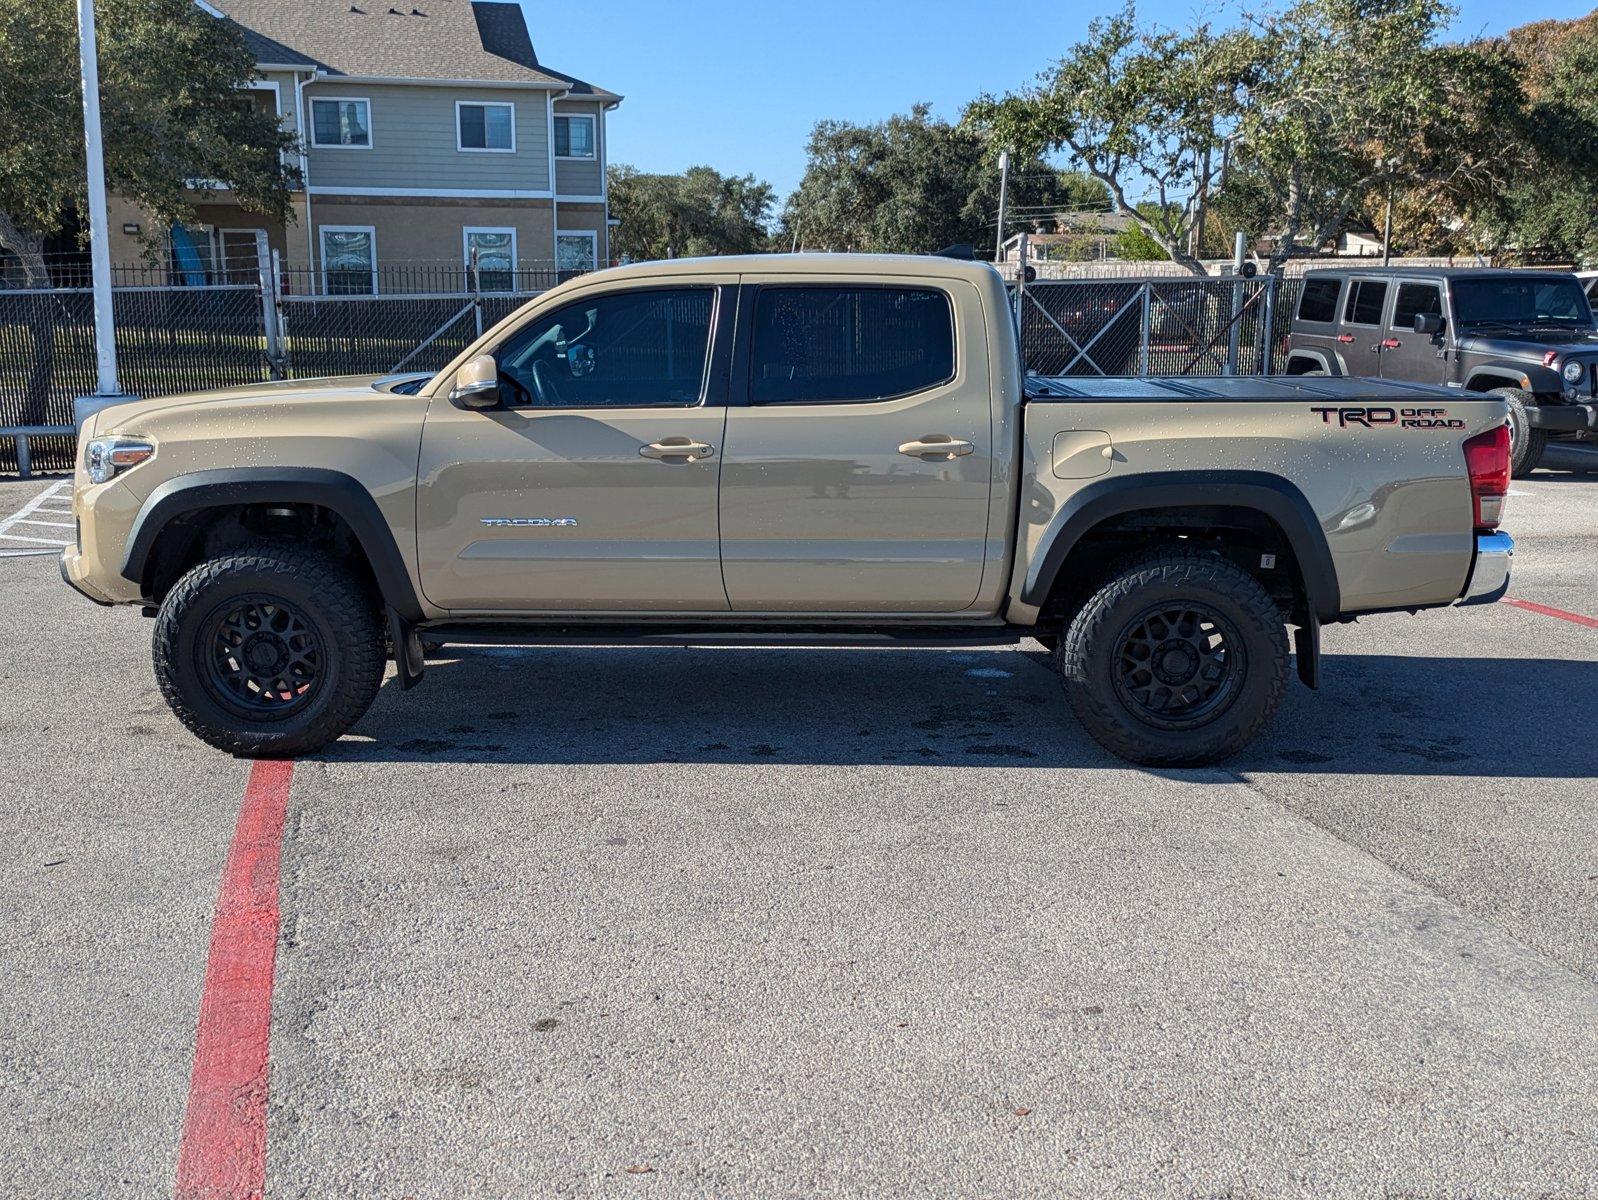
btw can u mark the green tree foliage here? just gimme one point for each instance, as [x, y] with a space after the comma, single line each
[170, 110]
[1143, 111]
[1291, 125]
[699, 212]
[913, 183]
[1550, 209]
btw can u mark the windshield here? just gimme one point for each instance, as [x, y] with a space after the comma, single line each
[1520, 300]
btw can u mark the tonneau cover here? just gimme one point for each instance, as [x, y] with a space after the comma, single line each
[1233, 388]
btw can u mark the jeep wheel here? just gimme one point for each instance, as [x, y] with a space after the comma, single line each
[269, 651]
[1526, 444]
[1179, 660]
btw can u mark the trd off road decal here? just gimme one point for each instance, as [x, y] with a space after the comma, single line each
[1404, 418]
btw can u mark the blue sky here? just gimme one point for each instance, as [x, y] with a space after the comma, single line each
[737, 84]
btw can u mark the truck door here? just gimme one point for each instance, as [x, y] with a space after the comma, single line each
[1407, 354]
[859, 447]
[1364, 330]
[593, 485]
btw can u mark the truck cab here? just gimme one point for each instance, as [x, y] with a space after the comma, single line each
[1528, 336]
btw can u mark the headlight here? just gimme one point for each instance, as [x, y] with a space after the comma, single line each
[1573, 371]
[106, 456]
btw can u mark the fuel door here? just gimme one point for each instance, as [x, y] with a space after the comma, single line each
[1082, 454]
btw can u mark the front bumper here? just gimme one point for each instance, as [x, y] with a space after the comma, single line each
[75, 572]
[1489, 569]
[1563, 418]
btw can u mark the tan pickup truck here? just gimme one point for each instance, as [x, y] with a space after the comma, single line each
[808, 449]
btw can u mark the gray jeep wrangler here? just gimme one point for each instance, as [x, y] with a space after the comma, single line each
[1528, 336]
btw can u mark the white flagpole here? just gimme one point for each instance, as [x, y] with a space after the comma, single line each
[99, 234]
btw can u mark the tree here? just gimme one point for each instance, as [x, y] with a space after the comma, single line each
[170, 110]
[699, 212]
[1292, 124]
[1150, 109]
[171, 114]
[913, 184]
[1550, 208]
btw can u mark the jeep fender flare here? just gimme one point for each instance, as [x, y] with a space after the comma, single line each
[1540, 379]
[230, 486]
[1271, 495]
[1318, 357]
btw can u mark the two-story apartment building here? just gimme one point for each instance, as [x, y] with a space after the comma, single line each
[427, 129]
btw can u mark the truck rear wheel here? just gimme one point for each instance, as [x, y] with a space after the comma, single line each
[1526, 444]
[269, 651]
[1178, 660]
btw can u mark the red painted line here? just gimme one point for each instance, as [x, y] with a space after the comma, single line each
[223, 1152]
[1589, 622]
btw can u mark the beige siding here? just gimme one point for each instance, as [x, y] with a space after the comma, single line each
[582, 176]
[414, 141]
[414, 230]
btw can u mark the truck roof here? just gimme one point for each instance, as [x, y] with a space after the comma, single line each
[1431, 272]
[931, 266]
[1235, 388]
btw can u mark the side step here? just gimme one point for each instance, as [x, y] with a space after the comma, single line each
[458, 633]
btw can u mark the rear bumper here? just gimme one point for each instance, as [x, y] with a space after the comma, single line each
[1489, 569]
[1562, 418]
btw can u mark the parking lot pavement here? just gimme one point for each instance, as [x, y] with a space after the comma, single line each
[798, 923]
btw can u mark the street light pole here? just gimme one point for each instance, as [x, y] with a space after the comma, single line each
[105, 346]
[1004, 195]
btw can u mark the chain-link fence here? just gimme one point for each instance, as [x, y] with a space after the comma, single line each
[186, 338]
[1160, 326]
[169, 339]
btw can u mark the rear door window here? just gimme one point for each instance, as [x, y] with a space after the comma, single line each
[1413, 300]
[1365, 299]
[849, 345]
[1319, 302]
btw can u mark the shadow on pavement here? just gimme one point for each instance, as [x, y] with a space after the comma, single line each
[1374, 714]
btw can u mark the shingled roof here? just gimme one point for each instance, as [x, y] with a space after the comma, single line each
[483, 40]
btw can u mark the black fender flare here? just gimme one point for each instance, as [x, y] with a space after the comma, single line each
[1272, 495]
[1516, 375]
[227, 486]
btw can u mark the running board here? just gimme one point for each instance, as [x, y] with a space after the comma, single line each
[485, 634]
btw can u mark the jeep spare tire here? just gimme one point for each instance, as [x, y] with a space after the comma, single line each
[1526, 444]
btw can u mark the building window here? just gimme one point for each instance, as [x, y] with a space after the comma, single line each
[496, 257]
[485, 126]
[577, 250]
[349, 260]
[574, 137]
[341, 124]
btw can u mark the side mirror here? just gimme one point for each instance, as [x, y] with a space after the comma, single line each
[477, 384]
[1428, 323]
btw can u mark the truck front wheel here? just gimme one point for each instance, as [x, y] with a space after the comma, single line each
[271, 650]
[1178, 660]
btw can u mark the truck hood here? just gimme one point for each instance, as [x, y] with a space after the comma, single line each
[1530, 346]
[284, 395]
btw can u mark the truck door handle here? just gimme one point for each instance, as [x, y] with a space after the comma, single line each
[1391, 344]
[937, 445]
[673, 448]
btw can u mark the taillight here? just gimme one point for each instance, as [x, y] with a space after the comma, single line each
[1487, 460]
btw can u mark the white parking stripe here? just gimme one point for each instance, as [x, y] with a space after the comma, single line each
[42, 505]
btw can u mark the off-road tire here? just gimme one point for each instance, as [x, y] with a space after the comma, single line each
[339, 608]
[1526, 444]
[1087, 658]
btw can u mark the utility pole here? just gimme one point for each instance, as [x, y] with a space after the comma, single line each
[1387, 223]
[1004, 196]
[107, 390]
